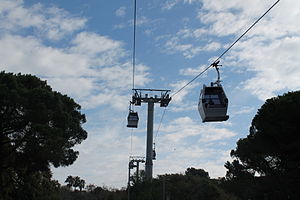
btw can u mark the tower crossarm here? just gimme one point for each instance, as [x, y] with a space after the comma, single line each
[151, 95]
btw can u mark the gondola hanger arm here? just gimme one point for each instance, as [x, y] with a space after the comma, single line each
[216, 65]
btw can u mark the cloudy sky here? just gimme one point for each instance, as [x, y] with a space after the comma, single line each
[83, 48]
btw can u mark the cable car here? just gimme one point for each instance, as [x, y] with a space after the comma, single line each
[132, 120]
[153, 154]
[213, 102]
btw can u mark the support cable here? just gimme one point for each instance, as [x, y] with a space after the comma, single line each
[164, 112]
[134, 43]
[131, 142]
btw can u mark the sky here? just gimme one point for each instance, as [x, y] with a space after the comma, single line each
[83, 48]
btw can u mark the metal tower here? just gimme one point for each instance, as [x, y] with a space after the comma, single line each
[150, 96]
[134, 162]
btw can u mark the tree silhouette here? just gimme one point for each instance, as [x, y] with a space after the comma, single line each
[75, 182]
[272, 148]
[81, 184]
[196, 172]
[70, 181]
[38, 127]
[194, 185]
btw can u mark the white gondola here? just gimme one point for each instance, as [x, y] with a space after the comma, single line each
[132, 120]
[213, 102]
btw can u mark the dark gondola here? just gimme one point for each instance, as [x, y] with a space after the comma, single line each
[132, 120]
[153, 154]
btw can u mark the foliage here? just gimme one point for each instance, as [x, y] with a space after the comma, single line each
[236, 170]
[194, 185]
[196, 172]
[90, 187]
[138, 177]
[38, 127]
[271, 150]
[75, 182]
[97, 193]
[36, 186]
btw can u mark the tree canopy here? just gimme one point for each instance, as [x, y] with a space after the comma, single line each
[272, 148]
[38, 127]
[75, 181]
[194, 184]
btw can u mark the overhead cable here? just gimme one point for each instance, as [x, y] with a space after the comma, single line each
[164, 112]
[134, 43]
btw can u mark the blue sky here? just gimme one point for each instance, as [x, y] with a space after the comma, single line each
[83, 48]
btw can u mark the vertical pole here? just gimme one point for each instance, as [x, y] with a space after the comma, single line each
[128, 185]
[164, 188]
[149, 150]
[137, 171]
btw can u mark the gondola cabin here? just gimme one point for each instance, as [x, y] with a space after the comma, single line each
[153, 154]
[132, 120]
[213, 104]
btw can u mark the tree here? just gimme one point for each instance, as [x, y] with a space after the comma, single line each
[235, 170]
[272, 148]
[194, 185]
[139, 176]
[75, 182]
[70, 181]
[81, 184]
[38, 127]
[196, 172]
[90, 187]
[37, 186]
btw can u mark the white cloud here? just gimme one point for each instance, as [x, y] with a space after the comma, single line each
[29, 55]
[189, 42]
[99, 50]
[192, 71]
[184, 127]
[121, 12]
[213, 46]
[194, 33]
[142, 20]
[169, 4]
[275, 65]
[242, 110]
[120, 26]
[179, 97]
[190, 106]
[68, 70]
[52, 23]
[121, 76]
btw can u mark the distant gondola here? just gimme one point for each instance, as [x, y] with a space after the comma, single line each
[132, 120]
[153, 154]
